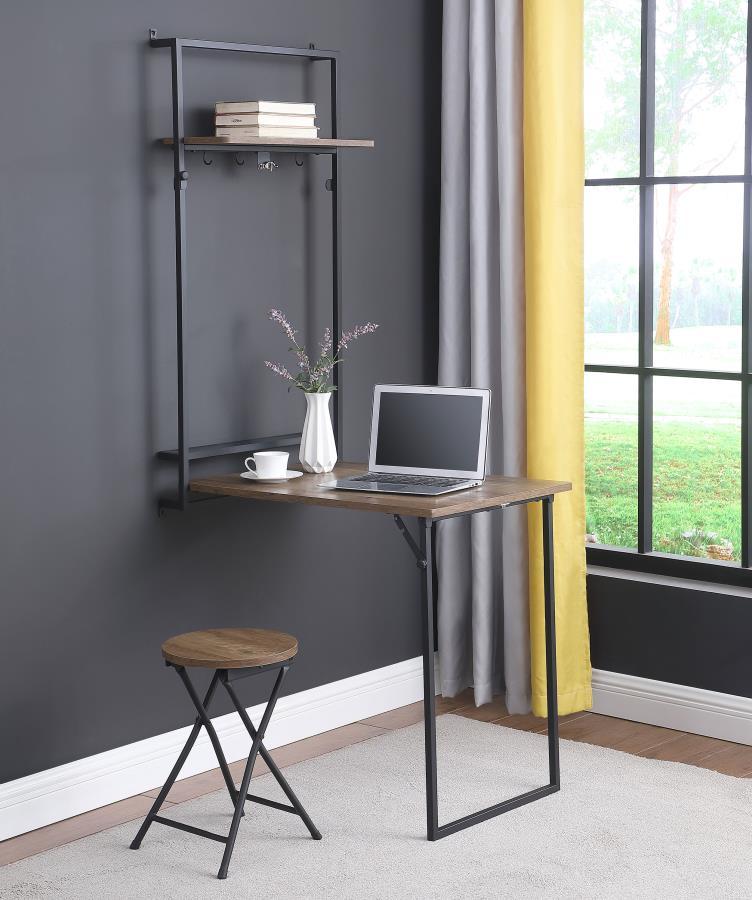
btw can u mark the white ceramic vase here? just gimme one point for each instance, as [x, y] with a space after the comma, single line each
[318, 451]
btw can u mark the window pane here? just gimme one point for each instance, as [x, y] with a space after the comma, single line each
[699, 86]
[696, 467]
[611, 458]
[612, 88]
[697, 285]
[611, 260]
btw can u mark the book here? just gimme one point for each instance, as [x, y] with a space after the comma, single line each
[264, 106]
[266, 119]
[270, 131]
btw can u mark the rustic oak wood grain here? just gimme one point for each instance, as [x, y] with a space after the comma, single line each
[230, 648]
[496, 491]
[324, 143]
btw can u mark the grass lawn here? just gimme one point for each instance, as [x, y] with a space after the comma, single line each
[696, 484]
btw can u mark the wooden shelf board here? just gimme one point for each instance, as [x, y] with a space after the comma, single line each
[225, 143]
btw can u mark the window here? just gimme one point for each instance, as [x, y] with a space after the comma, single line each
[668, 343]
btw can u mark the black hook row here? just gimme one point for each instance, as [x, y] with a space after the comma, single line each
[239, 160]
[267, 165]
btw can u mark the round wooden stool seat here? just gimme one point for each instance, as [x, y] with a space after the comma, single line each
[230, 648]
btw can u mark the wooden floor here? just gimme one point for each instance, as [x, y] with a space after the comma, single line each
[619, 734]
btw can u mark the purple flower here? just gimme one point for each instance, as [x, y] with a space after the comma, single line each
[280, 370]
[326, 343]
[354, 334]
[280, 318]
[316, 377]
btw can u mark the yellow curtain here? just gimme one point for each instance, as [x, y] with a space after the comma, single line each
[553, 155]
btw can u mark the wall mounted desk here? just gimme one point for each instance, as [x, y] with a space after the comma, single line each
[497, 492]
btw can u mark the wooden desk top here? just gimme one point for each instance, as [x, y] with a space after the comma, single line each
[496, 491]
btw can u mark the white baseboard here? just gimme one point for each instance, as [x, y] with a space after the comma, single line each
[56, 794]
[724, 716]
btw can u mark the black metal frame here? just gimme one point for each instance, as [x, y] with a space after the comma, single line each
[238, 796]
[644, 559]
[184, 453]
[424, 551]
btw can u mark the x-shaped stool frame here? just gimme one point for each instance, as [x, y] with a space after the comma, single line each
[237, 795]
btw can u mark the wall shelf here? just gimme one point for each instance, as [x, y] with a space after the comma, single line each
[180, 145]
[211, 451]
[280, 145]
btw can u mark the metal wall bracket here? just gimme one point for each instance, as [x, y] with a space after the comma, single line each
[184, 455]
[420, 560]
[265, 162]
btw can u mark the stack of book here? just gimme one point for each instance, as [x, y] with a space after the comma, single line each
[242, 119]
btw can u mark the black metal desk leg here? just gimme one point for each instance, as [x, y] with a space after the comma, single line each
[549, 608]
[427, 547]
[425, 556]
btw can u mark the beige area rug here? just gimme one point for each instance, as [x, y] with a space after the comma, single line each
[621, 827]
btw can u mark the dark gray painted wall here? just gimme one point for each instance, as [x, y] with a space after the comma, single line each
[92, 581]
[677, 634]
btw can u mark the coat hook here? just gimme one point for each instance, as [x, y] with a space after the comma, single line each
[238, 160]
[298, 159]
[265, 161]
[207, 162]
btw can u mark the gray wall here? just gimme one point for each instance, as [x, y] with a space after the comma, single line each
[92, 580]
[698, 635]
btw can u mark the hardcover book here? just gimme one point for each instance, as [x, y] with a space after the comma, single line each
[264, 106]
[266, 119]
[270, 131]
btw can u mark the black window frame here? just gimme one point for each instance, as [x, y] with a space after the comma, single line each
[644, 559]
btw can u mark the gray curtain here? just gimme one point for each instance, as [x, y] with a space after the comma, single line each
[483, 623]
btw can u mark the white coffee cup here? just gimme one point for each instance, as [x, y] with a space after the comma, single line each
[268, 463]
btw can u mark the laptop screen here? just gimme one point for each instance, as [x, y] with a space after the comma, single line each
[430, 431]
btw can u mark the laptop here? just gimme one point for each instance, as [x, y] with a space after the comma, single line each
[424, 440]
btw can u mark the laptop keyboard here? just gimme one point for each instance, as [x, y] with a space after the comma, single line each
[429, 480]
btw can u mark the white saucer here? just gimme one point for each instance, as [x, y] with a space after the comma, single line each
[252, 476]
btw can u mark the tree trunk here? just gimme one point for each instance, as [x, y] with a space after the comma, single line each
[663, 321]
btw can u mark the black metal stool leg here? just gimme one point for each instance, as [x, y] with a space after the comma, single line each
[136, 843]
[239, 796]
[207, 723]
[245, 783]
[273, 767]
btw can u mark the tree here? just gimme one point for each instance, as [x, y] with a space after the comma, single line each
[700, 50]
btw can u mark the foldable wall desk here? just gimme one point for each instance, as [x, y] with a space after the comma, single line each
[497, 492]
